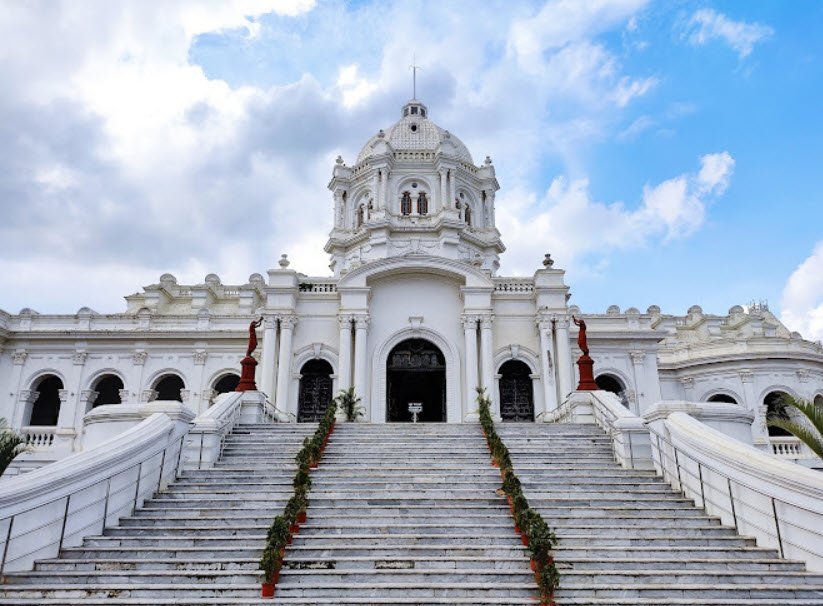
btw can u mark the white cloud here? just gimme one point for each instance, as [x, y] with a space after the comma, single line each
[707, 24]
[580, 231]
[118, 149]
[802, 299]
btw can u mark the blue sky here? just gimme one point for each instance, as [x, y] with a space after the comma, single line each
[665, 152]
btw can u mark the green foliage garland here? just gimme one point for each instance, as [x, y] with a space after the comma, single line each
[285, 525]
[541, 539]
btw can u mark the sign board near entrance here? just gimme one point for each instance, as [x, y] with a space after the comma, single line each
[415, 408]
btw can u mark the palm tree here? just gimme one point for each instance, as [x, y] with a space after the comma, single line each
[808, 430]
[11, 445]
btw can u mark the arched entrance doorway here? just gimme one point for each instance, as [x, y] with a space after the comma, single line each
[315, 391]
[416, 372]
[516, 393]
[46, 408]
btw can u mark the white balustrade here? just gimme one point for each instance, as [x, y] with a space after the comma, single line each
[38, 438]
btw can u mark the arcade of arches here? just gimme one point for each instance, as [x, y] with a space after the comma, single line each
[416, 373]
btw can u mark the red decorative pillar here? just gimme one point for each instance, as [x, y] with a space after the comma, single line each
[247, 365]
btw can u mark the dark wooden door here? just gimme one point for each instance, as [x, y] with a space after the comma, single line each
[315, 391]
[516, 392]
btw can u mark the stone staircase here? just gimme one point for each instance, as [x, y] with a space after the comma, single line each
[408, 514]
[628, 539]
[199, 542]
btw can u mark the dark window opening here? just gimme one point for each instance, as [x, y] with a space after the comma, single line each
[776, 409]
[422, 203]
[46, 408]
[405, 203]
[108, 390]
[227, 383]
[169, 388]
[721, 397]
[614, 385]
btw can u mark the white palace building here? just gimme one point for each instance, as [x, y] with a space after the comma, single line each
[414, 312]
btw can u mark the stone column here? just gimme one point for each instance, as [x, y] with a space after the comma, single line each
[287, 324]
[267, 364]
[487, 359]
[537, 394]
[470, 368]
[444, 200]
[638, 365]
[490, 203]
[565, 376]
[384, 190]
[138, 361]
[338, 209]
[65, 433]
[361, 331]
[344, 362]
[452, 188]
[200, 403]
[544, 328]
[20, 416]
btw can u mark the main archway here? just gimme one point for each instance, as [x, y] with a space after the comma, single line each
[416, 373]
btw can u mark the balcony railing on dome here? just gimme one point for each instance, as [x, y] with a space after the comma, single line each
[318, 286]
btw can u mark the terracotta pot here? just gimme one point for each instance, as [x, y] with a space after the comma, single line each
[533, 565]
[524, 538]
[294, 528]
[267, 590]
[313, 466]
[516, 528]
[301, 517]
[537, 577]
[289, 539]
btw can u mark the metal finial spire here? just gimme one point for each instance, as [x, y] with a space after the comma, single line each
[414, 69]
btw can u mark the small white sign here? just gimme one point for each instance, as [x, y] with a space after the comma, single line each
[415, 408]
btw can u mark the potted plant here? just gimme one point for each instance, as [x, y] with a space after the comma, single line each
[270, 564]
[349, 403]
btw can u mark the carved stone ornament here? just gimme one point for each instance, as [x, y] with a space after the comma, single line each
[803, 375]
[288, 321]
[687, 382]
[138, 358]
[638, 356]
[19, 357]
[79, 358]
[746, 376]
[200, 357]
[89, 395]
[148, 395]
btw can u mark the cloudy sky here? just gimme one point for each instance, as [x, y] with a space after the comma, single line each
[665, 153]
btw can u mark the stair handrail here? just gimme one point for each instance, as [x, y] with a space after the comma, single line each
[731, 497]
[211, 428]
[81, 493]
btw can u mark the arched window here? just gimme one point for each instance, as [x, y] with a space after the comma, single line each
[405, 203]
[227, 383]
[614, 385]
[169, 388]
[422, 204]
[516, 392]
[721, 397]
[315, 390]
[776, 408]
[468, 215]
[46, 408]
[108, 390]
[818, 401]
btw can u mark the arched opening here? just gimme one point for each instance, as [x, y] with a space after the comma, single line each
[169, 388]
[108, 390]
[721, 397]
[516, 392]
[46, 408]
[315, 391]
[614, 385]
[227, 383]
[818, 401]
[405, 203]
[422, 204]
[416, 373]
[776, 409]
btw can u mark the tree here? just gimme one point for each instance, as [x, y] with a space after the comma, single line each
[11, 445]
[809, 430]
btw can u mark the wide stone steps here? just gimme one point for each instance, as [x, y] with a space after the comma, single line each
[655, 551]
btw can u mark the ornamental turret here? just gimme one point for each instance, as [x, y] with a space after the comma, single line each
[414, 189]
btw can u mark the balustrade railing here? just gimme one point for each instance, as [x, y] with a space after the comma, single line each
[38, 438]
[60, 504]
[790, 448]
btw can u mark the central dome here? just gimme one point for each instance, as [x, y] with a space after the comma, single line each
[415, 132]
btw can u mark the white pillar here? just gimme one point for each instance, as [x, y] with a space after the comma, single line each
[267, 363]
[452, 188]
[564, 357]
[486, 355]
[338, 208]
[361, 331]
[544, 328]
[287, 324]
[470, 368]
[444, 200]
[638, 360]
[344, 362]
